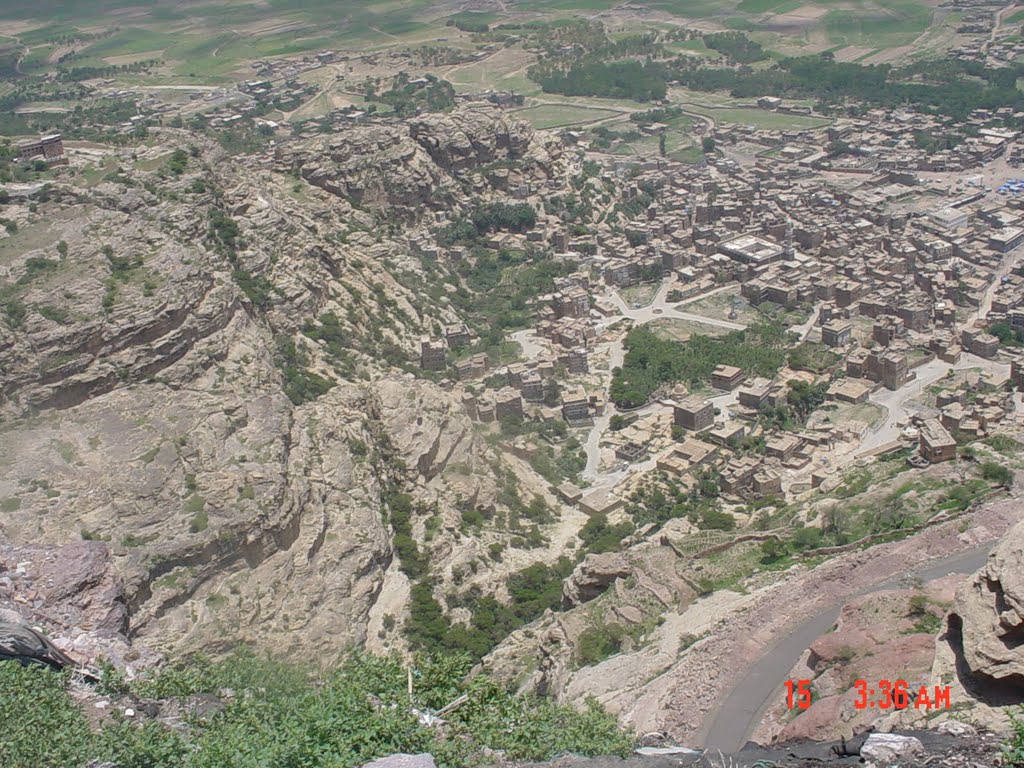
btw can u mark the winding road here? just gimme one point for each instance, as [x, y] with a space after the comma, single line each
[745, 705]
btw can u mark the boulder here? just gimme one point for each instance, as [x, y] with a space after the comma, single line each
[990, 608]
[422, 760]
[593, 576]
[888, 748]
[956, 728]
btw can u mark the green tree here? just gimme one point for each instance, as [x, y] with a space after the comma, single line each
[997, 473]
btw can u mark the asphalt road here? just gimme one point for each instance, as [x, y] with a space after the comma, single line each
[745, 705]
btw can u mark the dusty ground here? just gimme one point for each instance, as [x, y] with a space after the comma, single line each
[980, 751]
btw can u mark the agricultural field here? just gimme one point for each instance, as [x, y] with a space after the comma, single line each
[671, 329]
[760, 118]
[543, 116]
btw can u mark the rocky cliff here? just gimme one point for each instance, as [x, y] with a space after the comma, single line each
[202, 379]
[433, 161]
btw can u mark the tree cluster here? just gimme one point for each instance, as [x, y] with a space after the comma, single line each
[652, 361]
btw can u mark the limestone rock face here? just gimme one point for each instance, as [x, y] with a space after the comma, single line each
[990, 607]
[593, 576]
[426, 162]
[377, 166]
[470, 138]
[72, 593]
[153, 433]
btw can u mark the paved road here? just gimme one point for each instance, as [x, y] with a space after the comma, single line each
[745, 705]
[896, 402]
[659, 308]
[527, 340]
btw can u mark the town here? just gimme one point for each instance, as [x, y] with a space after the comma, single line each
[896, 276]
[590, 368]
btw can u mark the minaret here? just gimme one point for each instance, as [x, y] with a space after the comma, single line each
[787, 249]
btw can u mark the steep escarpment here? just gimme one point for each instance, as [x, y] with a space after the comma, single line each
[202, 379]
[431, 162]
[647, 633]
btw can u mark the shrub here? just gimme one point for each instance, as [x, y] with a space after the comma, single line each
[300, 384]
[714, 519]
[48, 728]
[772, 550]
[997, 473]
[598, 642]
[1013, 748]
[598, 536]
[288, 715]
[178, 162]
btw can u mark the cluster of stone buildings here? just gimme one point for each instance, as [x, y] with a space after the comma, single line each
[49, 149]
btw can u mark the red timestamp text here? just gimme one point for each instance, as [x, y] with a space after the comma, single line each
[887, 694]
[897, 694]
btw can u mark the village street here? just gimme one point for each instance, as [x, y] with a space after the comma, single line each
[898, 405]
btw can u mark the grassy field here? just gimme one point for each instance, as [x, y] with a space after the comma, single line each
[504, 70]
[760, 118]
[694, 47]
[557, 115]
[892, 23]
[682, 330]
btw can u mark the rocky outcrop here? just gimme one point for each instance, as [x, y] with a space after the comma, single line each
[593, 576]
[72, 593]
[427, 162]
[377, 166]
[989, 610]
[146, 409]
[470, 138]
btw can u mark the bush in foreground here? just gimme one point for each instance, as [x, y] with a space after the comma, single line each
[286, 715]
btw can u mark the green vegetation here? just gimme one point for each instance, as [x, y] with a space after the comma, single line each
[531, 590]
[599, 536]
[813, 357]
[224, 236]
[1013, 747]
[494, 289]
[400, 509]
[408, 98]
[545, 116]
[300, 384]
[598, 642]
[493, 217]
[286, 714]
[37, 267]
[736, 46]
[1007, 336]
[612, 80]
[925, 621]
[997, 474]
[1003, 444]
[657, 504]
[651, 362]
[178, 162]
[949, 87]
